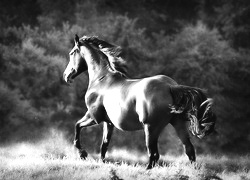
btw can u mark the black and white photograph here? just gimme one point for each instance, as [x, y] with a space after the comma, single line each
[125, 90]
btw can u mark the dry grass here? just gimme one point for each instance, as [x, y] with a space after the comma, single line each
[55, 158]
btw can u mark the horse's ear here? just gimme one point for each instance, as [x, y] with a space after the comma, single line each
[77, 42]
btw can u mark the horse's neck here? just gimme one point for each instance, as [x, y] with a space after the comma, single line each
[96, 75]
[97, 67]
[105, 79]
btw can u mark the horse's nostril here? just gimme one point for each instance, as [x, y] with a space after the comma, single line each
[65, 77]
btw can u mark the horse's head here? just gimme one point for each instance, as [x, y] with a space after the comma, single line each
[77, 63]
[206, 118]
[91, 51]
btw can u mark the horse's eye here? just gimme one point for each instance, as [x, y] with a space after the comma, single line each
[73, 52]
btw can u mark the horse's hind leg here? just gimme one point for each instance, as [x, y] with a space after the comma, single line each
[107, 133]
[182, 133]
[84, 122]
[151, 137]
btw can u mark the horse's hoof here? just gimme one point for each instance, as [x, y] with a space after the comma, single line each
[192, 162]
[103, 160]
[149, 167]
[83, 154]
[192, 159]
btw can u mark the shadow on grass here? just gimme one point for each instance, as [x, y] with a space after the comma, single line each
[181, 177]
[116, 161]
[113, 175]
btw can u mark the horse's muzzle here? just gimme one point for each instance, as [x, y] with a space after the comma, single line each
[68, 77]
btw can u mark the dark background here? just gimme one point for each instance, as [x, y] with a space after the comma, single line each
[203, 43]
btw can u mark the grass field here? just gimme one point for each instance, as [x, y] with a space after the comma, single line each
[55, 158]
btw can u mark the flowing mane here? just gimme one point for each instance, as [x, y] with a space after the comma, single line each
[113, 53]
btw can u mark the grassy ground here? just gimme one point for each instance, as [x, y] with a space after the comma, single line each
[50, 159]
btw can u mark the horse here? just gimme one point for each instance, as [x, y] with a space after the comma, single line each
[147, 104]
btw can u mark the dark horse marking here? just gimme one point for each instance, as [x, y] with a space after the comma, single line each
[133, 104]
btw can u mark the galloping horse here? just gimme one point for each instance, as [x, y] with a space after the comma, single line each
[133, 104]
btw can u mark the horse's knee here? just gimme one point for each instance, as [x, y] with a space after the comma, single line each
[77, 126]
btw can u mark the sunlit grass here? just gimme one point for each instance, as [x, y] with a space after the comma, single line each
[55, 158]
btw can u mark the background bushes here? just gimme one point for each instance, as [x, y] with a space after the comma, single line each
[202, 46]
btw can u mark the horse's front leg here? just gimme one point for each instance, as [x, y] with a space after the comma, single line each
[84, 122]
[107, 133]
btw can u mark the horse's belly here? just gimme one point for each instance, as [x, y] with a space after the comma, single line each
[123, 118]
[129, 121]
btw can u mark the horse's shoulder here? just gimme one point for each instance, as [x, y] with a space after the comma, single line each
[94, 103]
[92, 96]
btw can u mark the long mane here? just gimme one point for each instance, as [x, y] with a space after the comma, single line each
[113, 53]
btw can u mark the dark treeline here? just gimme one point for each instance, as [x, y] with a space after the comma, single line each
[201, 43]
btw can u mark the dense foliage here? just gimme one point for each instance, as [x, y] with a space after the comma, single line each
[204, 46]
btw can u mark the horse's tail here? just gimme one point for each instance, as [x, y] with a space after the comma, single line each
[194, 105]
[185, 98]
